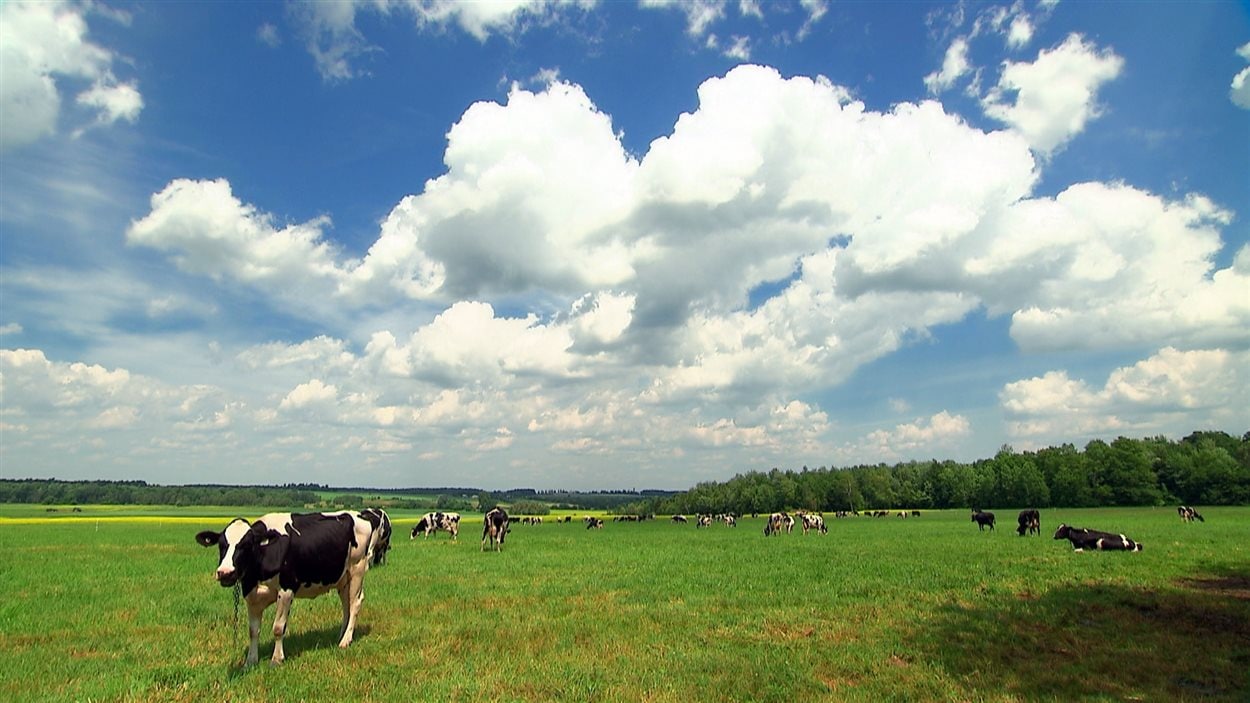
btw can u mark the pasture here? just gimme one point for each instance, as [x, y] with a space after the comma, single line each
[925, 608]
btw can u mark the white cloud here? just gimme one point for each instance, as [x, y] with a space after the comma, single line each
[336, 44]
[268, 35]
[1171, 392]
[1056, 95]
[46, 51]
[932, 435]
[700, 14]
[10, 328]
[1239, 92]
[1020, 32]
[740, 50]
[954, 66]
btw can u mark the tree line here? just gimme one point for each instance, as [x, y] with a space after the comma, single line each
[1204, 468]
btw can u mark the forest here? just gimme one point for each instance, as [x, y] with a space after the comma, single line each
[1204, 468]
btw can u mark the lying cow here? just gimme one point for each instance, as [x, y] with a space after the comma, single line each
[982, 518]
[433, 522]
[283, 556]
[1029, 522]
[1082, 539]
[679, 518]
[494, 528]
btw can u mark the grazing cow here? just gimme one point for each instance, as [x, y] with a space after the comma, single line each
[433, 522]
[1082, 539]
[813, 522]
[730, 520]
[679, 518]
[704, 521]
[915, 513]
[494, 528]
[594, 523]
[1029, 522]
[381, 542]
[982, 518]
[1189, 514]
[283, 556]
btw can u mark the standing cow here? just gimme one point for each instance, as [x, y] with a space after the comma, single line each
[1029, 522]
[494, 528]
[283, 556]
[982, 518]
[381, 542]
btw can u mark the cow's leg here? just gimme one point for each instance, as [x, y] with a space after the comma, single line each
[281, 614]
[352, 594]
[256, 604]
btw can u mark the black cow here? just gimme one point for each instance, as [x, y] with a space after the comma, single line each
[1189, 514]
[1082, 539]
[283, 556]
[381, 542]
[982, 518]
[1029, 522]
[494, 528]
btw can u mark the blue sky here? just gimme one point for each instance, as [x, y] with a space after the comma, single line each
[613, 244]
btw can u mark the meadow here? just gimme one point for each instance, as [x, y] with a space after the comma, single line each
[120, 604]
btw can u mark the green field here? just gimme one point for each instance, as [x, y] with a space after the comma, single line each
[99, 606]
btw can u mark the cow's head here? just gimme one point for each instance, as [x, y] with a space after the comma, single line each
[244, 548]
[419, 527]
[1063, 531]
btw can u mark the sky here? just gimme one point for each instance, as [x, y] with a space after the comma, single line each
[613, 245]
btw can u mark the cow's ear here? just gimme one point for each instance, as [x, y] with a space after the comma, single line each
[207, 538]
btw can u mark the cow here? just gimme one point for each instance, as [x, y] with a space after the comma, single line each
[813, 522]
[381, 543]
[982, 518]
[593, 523]
[1189, 514]
[494, 528]
[730, 520]
[679, 518]
[704, 521]
[433, 522]
[1029, 522]
[283, 556]
[1082, 539]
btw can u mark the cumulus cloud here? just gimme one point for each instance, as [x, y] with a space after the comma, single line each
[633, 322]
[1166, 393]
[1054, 96]
[46, 51]
[1239, 92]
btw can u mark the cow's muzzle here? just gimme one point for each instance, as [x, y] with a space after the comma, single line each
[227, 579]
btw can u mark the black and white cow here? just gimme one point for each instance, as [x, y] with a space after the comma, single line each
[593, 523]
[1029, 522]
[704, 521]
[982, 518]
[679, 518]
[283, 556]
[433, 522]
[494, 528]
[1082, 539]
[813, 521]
[1189, 514]
[381, 542]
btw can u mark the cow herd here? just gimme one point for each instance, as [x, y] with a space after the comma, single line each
[283, 556]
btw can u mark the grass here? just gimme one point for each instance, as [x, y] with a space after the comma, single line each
[918, 609]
